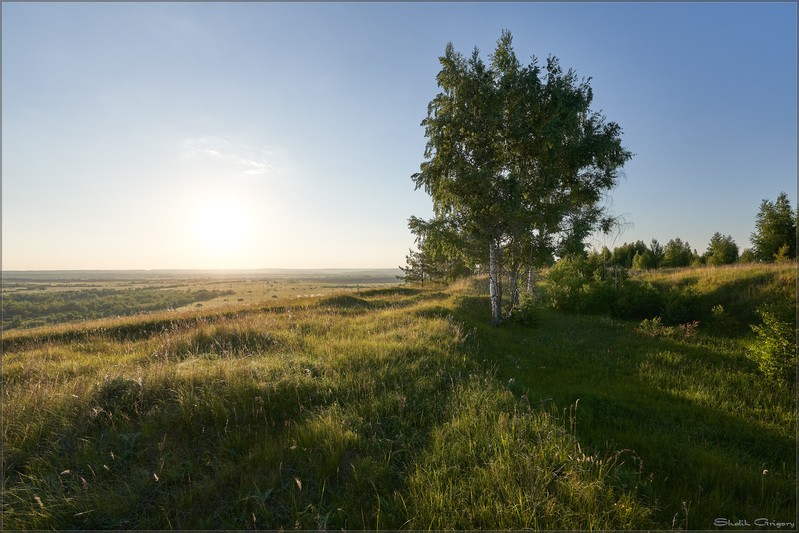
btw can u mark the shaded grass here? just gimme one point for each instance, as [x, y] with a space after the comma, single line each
[695, 410]
[738, 289]
[540, 476]
[345, 301]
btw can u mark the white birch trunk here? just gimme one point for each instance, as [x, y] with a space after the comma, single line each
[494, 288]
[530, 280]
[513, 282]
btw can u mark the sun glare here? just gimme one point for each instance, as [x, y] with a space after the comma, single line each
[222, 225]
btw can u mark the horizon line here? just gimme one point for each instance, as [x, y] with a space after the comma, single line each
[196, 269]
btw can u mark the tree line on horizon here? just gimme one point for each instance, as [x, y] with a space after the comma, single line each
[774, 239]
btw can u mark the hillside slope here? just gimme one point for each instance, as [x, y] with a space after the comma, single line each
[390, 408]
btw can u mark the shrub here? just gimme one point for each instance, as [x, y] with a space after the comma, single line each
[528, 312]
[636, 299]
[721, 319]
[747, 256]
[576, 285]
[679, 305]
[566, 280]
[654, 328]
[774, 349]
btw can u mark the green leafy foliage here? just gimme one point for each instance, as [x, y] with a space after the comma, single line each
[655, 328]
[775, 227]
[747, 256]
[783, 254]
[645, 261]
[582, 285]
[516, 162]
[676, 254]
[528, 312]
[774, 350]
[721, 250]
[442, 252]
[624, 255]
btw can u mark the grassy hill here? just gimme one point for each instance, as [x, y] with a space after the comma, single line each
[738, 289]
[396, 408]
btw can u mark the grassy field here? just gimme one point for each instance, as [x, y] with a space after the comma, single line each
[32, 299]
[395, 408]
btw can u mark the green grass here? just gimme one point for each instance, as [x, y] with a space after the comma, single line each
[42, 298]
[387, 408]
[739, 289]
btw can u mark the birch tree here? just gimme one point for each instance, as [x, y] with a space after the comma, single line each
[514, 155]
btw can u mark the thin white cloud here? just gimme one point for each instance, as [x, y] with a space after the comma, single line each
[241, 159]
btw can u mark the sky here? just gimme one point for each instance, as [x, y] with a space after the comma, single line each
[272, 135]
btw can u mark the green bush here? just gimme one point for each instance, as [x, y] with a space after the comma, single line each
[721, 319]
[636, 299]
[679, 305]
[581, 286]
[775, 347]
[655, 328]
[528, 312]
[566, 280]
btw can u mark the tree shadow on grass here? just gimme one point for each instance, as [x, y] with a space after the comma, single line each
[709, 456]
[740, 299]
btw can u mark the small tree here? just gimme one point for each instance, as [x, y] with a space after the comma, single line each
[775, 227]
[721, 250]
[782, 255]
[440, 253]
[657, 252]
[696, 259]
[416, 269]
[676, 254]
[650, 258]
[644, 261]
[623, 255]
[747, 256]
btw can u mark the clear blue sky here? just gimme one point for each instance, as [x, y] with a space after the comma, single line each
[199, 135]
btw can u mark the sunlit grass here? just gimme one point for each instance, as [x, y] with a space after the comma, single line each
[389, 408]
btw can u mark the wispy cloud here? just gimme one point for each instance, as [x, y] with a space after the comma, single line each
[242, 159]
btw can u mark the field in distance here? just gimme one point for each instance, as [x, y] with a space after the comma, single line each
[28, 299]
[399, 407]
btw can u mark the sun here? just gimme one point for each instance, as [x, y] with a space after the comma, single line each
[222, 225]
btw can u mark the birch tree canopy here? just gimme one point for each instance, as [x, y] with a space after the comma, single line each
[516, 160]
